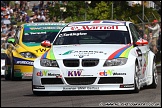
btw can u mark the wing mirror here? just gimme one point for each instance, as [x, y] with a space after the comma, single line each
[46, 44]
[141, 42]
[11, 40]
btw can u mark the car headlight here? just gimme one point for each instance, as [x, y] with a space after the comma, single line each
[115, 62]
[48, 63]
[28, 55]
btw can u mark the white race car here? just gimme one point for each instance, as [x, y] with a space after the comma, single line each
[100, 55]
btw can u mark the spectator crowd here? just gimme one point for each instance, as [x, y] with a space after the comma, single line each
[18, 13]
[11, 15]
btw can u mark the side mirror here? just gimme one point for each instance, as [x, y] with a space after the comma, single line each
[141, 42]
[46, 44]
[11, 40]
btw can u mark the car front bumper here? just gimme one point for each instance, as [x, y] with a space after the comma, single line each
[103, 79]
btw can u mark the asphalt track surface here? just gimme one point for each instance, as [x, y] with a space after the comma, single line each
[19, 94]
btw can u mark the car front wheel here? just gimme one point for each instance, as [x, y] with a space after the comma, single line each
[136, 79]
[154, 76]
[7, 75]
[13, 78]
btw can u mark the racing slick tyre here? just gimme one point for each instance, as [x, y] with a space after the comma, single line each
[40, 93]
[7, 75]
[136, 79]
[12, 71]
[13, 78]
[154, 76]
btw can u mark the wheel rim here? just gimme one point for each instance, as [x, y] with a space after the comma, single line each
[155, 75]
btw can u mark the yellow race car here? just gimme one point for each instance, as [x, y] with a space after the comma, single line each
[25, 47]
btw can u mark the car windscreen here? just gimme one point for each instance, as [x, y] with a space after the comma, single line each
[37, 34]
[93, 37]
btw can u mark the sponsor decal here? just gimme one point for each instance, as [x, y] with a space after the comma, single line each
[35, 33]
[27, 74]
[25, 62]
[110, 73]
[94, 27]
[46, 73]
[106, 73]
[119, 73]
[72, 34]
[81, 88]
[41, 50]
[88, 88]
[68, 52]
[74, 73]
[126, 85]
[44, 28]
[82, 52]
[69, 88]
[57, 75]
[42, 73]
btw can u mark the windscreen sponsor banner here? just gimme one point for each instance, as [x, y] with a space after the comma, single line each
[98, 27]
[38, 24]
[42, 28]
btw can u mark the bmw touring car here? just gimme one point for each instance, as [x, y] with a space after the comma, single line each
[100, 55]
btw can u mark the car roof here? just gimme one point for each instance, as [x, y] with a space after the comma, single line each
[100, 22]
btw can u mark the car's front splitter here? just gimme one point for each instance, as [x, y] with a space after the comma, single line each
[105, 87]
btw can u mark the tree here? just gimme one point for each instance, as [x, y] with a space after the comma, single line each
[54, 11]
[102, 11]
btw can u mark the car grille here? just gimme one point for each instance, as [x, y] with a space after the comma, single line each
[71, 62]
[51, 81]
[110, 80]
[85, 62]
[90, 62]
[80, 80]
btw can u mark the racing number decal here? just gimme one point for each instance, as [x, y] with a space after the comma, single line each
[41, 50]
[139, 53]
